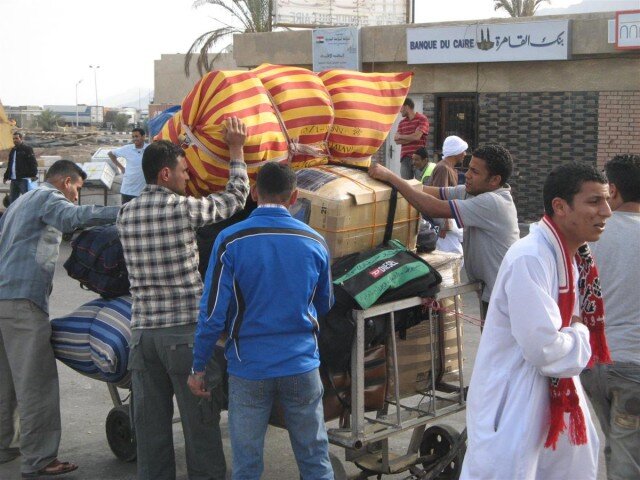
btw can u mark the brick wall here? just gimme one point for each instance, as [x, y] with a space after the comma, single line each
[541, 130]
[429, 109]
[618, 124]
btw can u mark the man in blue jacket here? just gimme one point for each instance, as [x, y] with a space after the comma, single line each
[268, 280]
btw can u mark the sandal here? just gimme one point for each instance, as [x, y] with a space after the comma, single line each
[54, 468]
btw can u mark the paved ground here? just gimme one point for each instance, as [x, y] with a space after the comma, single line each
[85, 404]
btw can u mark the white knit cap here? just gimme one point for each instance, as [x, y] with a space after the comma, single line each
[453, 146]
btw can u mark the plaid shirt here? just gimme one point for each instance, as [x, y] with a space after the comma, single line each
[157, 230]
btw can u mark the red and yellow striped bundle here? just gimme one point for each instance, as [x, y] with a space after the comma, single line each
[305, 109]
[198, 127]
[365, 106]
[291, 113]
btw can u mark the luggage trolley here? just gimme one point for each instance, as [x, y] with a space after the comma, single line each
[434, 452]
[119, 424]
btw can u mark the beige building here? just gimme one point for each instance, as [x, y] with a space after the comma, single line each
[170, 82]
[585, 107]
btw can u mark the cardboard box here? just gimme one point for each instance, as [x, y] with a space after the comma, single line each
[95, 195]
[98, 174]
[102, 155]
[349, 209]
[414, 357]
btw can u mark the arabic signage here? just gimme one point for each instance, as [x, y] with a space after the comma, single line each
[513, 42]
[329, 13]
[336, 48]
[628, 30]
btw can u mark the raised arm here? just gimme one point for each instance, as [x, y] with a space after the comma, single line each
[220, 206]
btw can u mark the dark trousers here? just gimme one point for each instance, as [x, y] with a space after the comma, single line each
[406, 168]
[17, 188]
[160, 361]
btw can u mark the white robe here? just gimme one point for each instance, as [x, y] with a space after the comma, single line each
[520, 348]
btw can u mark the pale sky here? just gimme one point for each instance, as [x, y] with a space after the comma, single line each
[46, 46]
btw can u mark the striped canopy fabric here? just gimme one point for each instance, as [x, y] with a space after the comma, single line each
[292, 115]
[94, 339]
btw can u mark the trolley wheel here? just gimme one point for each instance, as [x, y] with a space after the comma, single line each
[120, 435]
[439, 440]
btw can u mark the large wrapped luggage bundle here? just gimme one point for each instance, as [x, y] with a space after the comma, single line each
[199, 127]
[94, 339]
[350, 209]
[291, 115]
[303, 105]
[365, 105]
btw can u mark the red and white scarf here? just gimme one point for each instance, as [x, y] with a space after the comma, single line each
[564, 398]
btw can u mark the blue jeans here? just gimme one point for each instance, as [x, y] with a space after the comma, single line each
[250, 404]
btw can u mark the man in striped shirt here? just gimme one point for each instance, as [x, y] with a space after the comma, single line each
[157, 230]
[411, 135]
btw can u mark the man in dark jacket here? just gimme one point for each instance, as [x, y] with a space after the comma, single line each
[22, 167]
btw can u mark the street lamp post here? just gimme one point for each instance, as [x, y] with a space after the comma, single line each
[95, 80]
[77, 83]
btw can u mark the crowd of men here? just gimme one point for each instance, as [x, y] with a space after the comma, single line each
[543, 312]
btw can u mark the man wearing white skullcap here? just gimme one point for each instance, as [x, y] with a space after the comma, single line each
[444, 175]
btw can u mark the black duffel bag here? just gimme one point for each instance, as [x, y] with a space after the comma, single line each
[97, 262]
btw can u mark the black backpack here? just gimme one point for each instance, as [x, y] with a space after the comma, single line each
[97, 262]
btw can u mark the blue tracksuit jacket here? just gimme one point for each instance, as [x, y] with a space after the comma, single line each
[268, 279]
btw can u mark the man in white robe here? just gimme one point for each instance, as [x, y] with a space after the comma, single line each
[523, 345]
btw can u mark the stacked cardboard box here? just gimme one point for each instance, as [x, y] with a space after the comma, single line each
[98, 173]
[414, 350]
[349, 209]
[95, 195]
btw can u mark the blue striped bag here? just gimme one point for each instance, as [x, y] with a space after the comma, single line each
[94, 339]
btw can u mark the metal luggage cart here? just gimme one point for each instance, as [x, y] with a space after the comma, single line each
[434, 452]
[119, 424]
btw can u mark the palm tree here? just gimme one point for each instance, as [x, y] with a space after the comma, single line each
[519, 8]
[48, 120]
[252, 15]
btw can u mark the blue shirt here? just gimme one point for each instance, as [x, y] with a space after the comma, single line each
[269, 278]
[30, 235]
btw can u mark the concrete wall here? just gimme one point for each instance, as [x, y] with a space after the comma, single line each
[594, 65]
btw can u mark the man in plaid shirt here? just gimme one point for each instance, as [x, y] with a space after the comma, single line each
[157, 230]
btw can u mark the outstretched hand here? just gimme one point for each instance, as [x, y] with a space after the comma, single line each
[235, 132]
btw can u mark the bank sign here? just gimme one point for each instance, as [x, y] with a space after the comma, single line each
[513, 42]
[336, 48]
